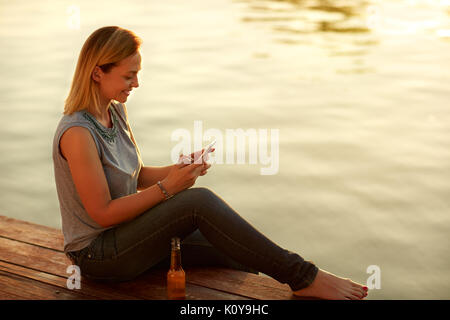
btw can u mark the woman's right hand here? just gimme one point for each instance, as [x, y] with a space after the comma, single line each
[182, 176]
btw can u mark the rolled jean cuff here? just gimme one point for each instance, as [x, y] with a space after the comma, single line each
[308, 277]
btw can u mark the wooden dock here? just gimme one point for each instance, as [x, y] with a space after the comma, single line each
[33, 267]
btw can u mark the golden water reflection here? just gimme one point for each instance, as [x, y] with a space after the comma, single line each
[310, 16]
[355, 16]
[346, 28]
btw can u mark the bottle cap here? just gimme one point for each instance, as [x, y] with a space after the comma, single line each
[176, 243]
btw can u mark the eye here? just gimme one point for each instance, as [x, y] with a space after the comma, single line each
[128, 78]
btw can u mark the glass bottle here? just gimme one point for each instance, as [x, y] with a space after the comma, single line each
[176, 278]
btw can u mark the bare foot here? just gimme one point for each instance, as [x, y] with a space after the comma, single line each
[328, 286]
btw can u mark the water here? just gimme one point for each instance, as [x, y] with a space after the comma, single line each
[359, 93]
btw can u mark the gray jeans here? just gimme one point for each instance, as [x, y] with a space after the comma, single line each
[211, 233]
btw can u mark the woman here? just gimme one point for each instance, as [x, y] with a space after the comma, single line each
[112, 231]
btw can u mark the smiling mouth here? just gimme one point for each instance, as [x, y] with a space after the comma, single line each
[126, 92]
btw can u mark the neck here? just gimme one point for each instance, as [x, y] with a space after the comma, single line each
[104, 107]
[175, 260]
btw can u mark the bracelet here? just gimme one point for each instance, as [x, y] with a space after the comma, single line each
[164, 191]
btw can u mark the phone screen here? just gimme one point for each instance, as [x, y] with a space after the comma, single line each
[208, 148]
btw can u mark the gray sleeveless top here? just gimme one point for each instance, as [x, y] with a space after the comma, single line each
[121, 162]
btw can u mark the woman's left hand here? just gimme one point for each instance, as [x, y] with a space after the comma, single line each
[205, 165]
[205, 168]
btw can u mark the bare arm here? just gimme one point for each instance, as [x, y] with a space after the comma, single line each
[148, 176]
[79, 149]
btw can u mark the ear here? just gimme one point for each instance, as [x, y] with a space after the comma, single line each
[97, 74]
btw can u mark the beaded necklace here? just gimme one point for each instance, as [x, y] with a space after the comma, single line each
[108, 133]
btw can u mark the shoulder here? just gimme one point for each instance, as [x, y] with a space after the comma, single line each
[76, 133]
[75, 140]
[74, 124]
[77, 116]
[70, 120]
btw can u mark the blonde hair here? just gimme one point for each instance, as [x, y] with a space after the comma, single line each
[105, 47]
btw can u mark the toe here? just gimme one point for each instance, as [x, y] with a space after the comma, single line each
[357, 285]
[353, 296]
[360, 288]
[358, 293]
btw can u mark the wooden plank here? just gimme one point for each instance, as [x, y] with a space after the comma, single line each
[145, 287]
[151, 285]
[24, 244]
[242, 283]
[35, 290]
[32, 233]
[95, 291]
[34, 257]
[9, 296]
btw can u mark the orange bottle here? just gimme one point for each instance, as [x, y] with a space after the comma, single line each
[176, 278]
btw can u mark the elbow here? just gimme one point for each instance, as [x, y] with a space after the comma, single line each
[103, 224]
[100, 220]
[100, 217]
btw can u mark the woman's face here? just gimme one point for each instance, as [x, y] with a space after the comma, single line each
[120, 80]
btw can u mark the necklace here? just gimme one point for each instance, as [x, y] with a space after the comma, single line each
[109, 134]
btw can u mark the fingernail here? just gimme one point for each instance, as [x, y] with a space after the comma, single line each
[365, 288]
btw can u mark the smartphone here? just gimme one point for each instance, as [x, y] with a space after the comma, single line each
[208, 148]
[204, 154]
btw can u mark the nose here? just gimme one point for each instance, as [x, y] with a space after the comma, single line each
[135, 82]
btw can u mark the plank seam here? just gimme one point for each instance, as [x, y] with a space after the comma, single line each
[17, 277]
[30, 243]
